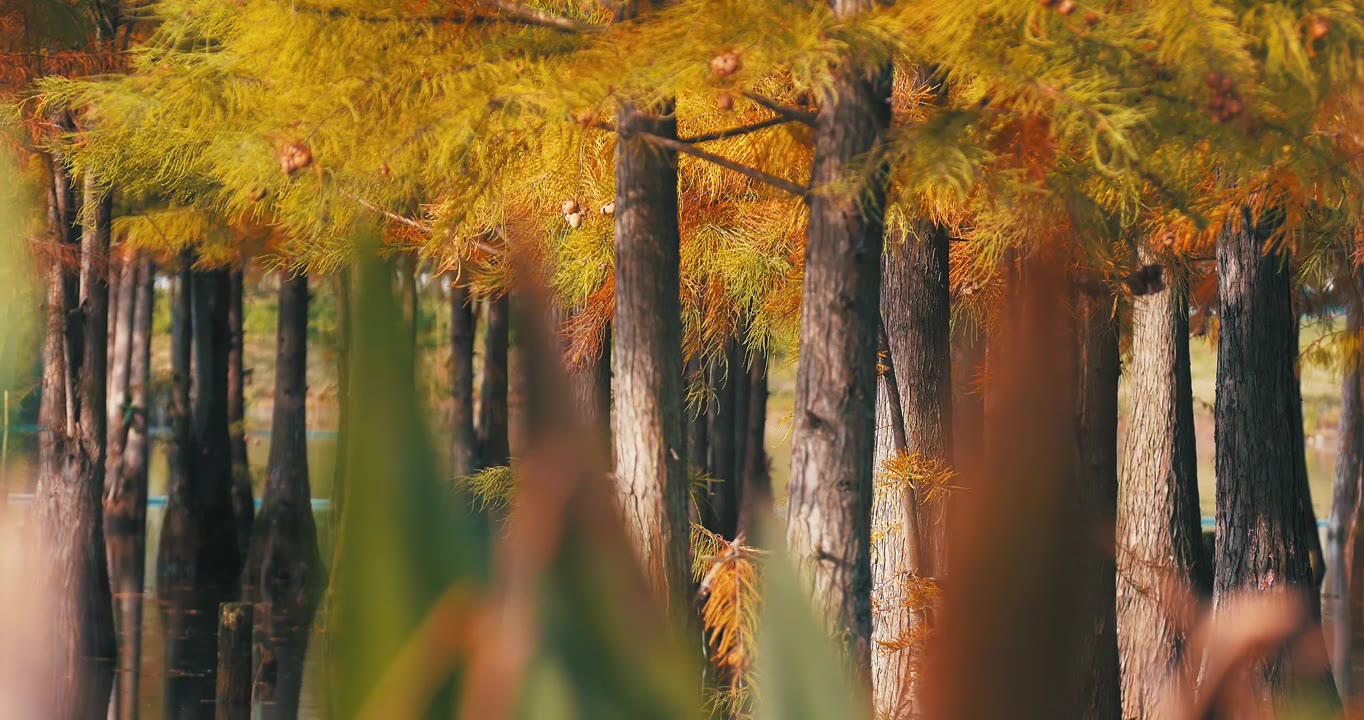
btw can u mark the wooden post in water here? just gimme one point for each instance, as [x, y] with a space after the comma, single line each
[235, 622]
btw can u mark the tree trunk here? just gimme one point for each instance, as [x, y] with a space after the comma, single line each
[243, 502]
[915, 307]
[463, 440]
[829, 516]
[343, 421]
[968, 401]
[593, 387]
[120, 352]
[284, 569]
[647, 426]
[125, 500]
[1263, 537]
[755, 495]
[1096, 415]
[198, 561]
[1161, 564]
[698, 420]
[721, 514]
[72, 456]
[493, 387]
[407, 292]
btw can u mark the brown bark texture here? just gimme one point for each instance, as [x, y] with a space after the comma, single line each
[1265, 539]
[283, 574]
[1161, 565]
[243, 500]
[755, 495]
[73, 414]
[829, 515]
[646, 357]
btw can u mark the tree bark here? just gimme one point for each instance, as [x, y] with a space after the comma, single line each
[463, 439]
[72, 456]
[407, 290]
[199, 562]
[755, 496]
[120, 352]
[1263, 536]
[1160, 559]
[698, 421]
[1096, 415]
[243, 501]
[493, 440]
[647, 427]
[829, 516]
[721, 514]
[125, 499]
[284, 569]
[593, 387]
[915, 307]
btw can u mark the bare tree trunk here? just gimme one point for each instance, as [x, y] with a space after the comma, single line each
[463, 440]
[493, 440]
[1263, 535]
[407, 290]
[243, 502]
[125, 499]
[698, 420]
[915, 307]
[721, 510]
[1096, 415]
[593, 386]
[198, 560]
[650, 445]
[1160, 560]
[755, 497]
[120, 352]
[343, 420]
[284, 569]
[829, 516]
[72, 456]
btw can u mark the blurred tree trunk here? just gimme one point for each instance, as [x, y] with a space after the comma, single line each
[343, 420]
[284, 569]
[1160, 560]
[120, 348]
[721, 510]
[463, 439]
[1335, 591]
[1096, 414]
[915, 307]
[125, 488]
[829, 516]
[199, 562]
[755, 495]
[697, 419]
[1264, 539]
[648, 427]
[493, 440]
[243, 501]
[71, 451]
[593, 387]
[408, 295]
[968, 400]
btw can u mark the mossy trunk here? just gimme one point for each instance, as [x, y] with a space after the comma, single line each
[71, 451]
[463, 439]
[125, 498]
[199, 561]
[284, 569]
[1265, 537]
[1161, 562]
[647, 425]
[829, 515]
[493, 419]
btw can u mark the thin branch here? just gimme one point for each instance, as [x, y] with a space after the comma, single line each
[786, 111]
[534, 16]
[736, 132]
[410, 222]
[751, 173]
[509, 11]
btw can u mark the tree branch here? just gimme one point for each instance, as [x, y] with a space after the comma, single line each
[746, 171]
[736, 132]
[509, 11]
[534, 16]
[403, 219]
[786, 111]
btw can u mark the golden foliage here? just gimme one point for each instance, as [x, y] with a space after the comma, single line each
[929, 478]
[729, 597]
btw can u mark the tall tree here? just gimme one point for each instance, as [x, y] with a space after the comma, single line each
[915, 309]
[125, 498]
[1096, 415]
[1159, 552]
[284, 569]
[647, 425]
[829, 516]
[463, 439]
[71, 452]
[493, 419]
[726, 420]
[1263, 535]
[199, 561]
[243, 502]
[755, 495]
[120, 346]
